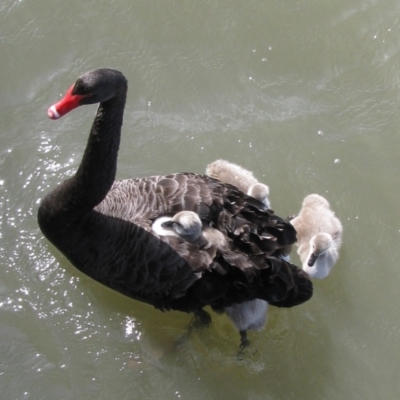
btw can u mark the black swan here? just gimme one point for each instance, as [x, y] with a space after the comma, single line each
[104, 226]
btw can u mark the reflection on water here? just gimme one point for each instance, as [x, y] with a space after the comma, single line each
[304, 94]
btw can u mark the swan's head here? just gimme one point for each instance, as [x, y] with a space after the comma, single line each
[260, 192]
[93, 87]
[186, 224]
[320, 243]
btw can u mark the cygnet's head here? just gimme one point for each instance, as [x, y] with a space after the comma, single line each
[187, 224]
[260, 192]
[320, 243]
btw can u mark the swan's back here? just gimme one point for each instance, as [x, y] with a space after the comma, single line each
[253, 232]
[141, 200]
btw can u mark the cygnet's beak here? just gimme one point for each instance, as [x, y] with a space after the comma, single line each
[312, 260]
[167, 224]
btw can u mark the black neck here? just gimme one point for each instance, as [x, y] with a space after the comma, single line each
[77, 196]
[98, 167]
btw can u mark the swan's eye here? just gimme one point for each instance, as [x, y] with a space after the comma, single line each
[79, 87]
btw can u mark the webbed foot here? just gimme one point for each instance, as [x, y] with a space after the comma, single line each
[201, 319]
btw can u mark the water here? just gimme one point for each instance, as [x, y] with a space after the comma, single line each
[303, 93]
